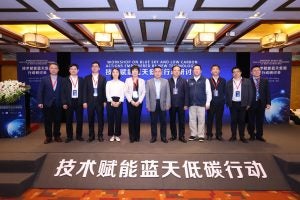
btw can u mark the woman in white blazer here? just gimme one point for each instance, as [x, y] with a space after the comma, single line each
[135, 93]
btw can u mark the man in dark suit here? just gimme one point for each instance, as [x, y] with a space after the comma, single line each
[72, 100]
[49, 99]
[261, 100]
[216, 108]
[179, 103]
[94, 100]
[238, 99]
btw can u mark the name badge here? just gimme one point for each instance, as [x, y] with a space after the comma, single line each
[74, 94]
[175, 91]
[216, 93]
[95, 92]
[135, 95]
[237, 93]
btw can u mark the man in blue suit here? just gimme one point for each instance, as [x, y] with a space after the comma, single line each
[49, 99]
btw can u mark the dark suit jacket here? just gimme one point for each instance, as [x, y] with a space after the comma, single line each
[247, 93]
[46, 95]
[89, 89]
[264, 91]
[182, 98]
[66, 94]
[221, 87]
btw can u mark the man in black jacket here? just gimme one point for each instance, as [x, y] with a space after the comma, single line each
[238, 99]
[261, 100]
[216, 109]
[94, 100]
[179, 103]
[72, 100]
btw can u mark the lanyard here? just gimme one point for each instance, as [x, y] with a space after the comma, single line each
[214, 83]
[74, 85]
[95, 82]
[135, 84]
[54, 83]
[237, 86]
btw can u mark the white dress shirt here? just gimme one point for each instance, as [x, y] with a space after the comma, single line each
[157, 87]
[237, 87]
[115, 88]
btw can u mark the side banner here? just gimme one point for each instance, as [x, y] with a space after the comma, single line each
[276, 67]
[31, 68]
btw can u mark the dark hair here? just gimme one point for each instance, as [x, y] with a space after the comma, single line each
[134, 67]
[215, 66]
[115, 68]
[197, 65]
[96, 62]
[157, 67]
[255, 66]
[176, 66]
[235, 67]
[75, 65]
[52, 63]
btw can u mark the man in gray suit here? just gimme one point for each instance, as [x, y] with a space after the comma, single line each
[158, 101]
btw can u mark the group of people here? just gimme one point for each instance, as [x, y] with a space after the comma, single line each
[197, 94]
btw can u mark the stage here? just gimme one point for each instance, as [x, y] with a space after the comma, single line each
[279, 157]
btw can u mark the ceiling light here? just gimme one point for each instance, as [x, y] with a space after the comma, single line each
[181, 15]
[256, 15]
[36, 40]
[204, 39]
[86, 43]
[273, 40]
[129, 15]
[104, 39]
[53, 16]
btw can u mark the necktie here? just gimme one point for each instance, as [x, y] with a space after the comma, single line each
[257, 89]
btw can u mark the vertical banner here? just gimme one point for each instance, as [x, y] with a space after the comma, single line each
[31, 68]
[146, 62]
[276, 67]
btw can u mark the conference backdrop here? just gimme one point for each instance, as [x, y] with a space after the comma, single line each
[32, 66]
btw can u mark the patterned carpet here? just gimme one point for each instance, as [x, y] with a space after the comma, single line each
[62, 194]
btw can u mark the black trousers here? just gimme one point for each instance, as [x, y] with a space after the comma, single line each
[76, 108]
[180, 113]
[238, 117]
[256, 116]
[114, 119]
[52, 120]
[215, 111]
[134, 121]
[158, 113]
[95, 107]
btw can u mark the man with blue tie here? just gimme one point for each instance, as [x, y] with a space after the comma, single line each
[49, 99]
[261, 101]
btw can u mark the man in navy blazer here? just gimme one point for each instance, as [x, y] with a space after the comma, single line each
[94, 99]
[49, 99]
[238, 99]
[261, 101]
[72, 101]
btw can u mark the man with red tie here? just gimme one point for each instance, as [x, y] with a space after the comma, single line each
[49, 99]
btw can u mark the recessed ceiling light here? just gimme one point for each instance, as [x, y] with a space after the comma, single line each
[256, 15]
[181, 15]
[86, 43]
[129, 15]
[53, 16]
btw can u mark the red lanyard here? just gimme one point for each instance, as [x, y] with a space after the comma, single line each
[95, 82]
[53, 83]
[237, 86]
[74, 85]
[215, 84]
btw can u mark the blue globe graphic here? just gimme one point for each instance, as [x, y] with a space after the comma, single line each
[16, 128]
[279, 111]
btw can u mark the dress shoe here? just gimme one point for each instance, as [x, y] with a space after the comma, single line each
[172, 138]
[57, 139]
[100, 139]
[232, 139]
[220, 138]
[261, 139]
[244, 140]
[80, 139]
[68, 140]
[90, 139]
[252, 138]
[209, 138]
[132, 141]
[164, 140]
[137, 140]
[48, 140]
[153, 140]
[182, 139]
